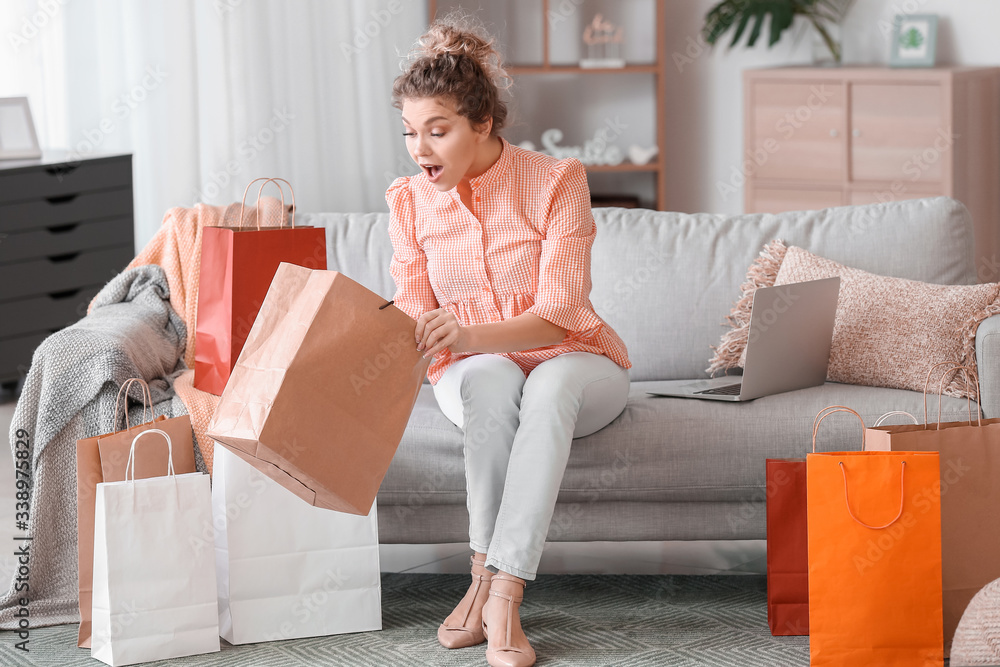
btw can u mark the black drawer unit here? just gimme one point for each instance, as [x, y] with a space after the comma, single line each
[66, 229]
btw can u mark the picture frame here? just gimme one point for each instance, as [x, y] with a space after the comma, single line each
[914, 40]
[18, 140]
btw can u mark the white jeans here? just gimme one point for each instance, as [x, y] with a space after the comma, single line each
[518, 432]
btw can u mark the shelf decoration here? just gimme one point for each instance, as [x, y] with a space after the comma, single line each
[594, 151]
[603, 39]
[914, 41]
[640, 155]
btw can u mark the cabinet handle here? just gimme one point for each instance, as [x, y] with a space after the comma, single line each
[856, 132]
[62, 229]
[834, 133]
[59, 259]
[64, 199]
[61, 169]
[65, 294]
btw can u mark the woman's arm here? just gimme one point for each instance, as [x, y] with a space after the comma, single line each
[439, 329]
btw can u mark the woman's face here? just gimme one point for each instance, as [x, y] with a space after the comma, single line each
[443, 143]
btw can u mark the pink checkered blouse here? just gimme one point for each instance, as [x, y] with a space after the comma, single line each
[525, 248]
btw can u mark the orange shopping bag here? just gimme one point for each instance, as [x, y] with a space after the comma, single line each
[874, 559]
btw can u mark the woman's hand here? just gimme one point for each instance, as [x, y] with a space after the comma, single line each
[438, 330]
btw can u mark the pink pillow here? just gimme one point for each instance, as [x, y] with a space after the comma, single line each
[888, 331]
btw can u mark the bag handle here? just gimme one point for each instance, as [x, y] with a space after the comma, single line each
[259, 191]
[878, 422]
[847, 498]
[146, 398]
[969, 375]
[829, 410]
[131, 453]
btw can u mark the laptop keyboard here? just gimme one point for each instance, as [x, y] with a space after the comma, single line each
[728, 390]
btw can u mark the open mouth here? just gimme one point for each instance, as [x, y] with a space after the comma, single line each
[433, 171]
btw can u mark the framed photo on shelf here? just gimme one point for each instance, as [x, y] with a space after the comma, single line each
[18, 140]
[914, 40]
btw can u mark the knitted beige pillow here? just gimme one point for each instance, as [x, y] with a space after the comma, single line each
[887, 332]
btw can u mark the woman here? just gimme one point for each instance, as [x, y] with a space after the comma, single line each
[492, 259]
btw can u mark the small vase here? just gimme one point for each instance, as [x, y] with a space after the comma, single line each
[826, 44]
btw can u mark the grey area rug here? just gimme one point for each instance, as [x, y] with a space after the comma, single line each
[579, 620]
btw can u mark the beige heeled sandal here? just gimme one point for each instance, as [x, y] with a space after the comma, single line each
[509, 655]
[461, 636]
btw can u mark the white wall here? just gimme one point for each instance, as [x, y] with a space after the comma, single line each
[704, 103]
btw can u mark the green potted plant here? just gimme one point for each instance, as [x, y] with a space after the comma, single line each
[824, 15]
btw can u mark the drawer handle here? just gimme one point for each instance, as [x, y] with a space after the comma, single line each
[62, 229]
[64, 199]
[58, 259]
[61, 169]
[65, 294]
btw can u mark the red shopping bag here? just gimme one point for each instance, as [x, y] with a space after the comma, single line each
[787, 537]
[237, 265]
[787, 563]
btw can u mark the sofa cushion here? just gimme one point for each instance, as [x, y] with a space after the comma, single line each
[658, 449]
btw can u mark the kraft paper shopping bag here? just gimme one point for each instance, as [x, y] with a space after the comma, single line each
[287, 569]
[323, 389]
[102, 459]
[154, 590]
[970, 496]
[237, 265]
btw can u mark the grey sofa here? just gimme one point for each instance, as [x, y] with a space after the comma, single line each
[665, 469]
[678, 469]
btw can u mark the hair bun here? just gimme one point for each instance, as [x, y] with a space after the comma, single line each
[459, 34]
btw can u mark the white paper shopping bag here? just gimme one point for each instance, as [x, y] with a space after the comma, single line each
[154, 592]
[287, 569]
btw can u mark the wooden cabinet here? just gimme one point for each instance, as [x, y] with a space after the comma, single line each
[66, 229]
[542, 43]
[818, 137]
[797, 132]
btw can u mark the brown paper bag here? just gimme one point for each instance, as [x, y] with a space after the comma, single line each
[970, 498]
[320, 396]
[103, 459]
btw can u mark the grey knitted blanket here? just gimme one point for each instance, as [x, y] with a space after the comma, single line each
[69, 394]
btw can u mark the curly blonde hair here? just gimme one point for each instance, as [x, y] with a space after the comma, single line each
[456, 59]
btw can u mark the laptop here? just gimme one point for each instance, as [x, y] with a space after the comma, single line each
[788, 345]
